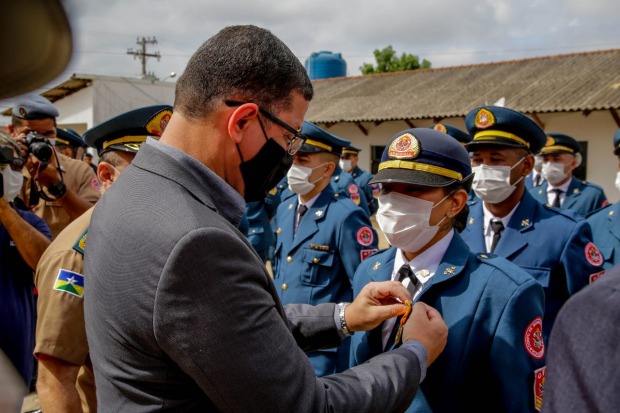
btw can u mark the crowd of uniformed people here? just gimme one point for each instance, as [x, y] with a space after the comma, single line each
[488, 226]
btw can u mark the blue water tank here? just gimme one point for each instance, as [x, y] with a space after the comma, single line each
[323, 65]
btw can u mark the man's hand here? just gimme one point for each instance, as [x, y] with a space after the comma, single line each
[377, 302]
[426, 325]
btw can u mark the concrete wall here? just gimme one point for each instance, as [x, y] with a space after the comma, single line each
[597, 129]
[76, 110]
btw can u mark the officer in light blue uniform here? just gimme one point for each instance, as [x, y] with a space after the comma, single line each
[553, 245]
[561, 155]
[605, 222]
[342, 182]
[495, 355]
[321, 238]
[349, 163]
[259, 231]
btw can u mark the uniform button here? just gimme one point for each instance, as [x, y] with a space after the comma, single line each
[284, 286]
[289, 259]
[316, 260]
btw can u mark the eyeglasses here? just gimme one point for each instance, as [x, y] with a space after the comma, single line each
[294, 143]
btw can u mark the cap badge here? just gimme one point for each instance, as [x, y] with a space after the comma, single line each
[550, 141]
[22, 111]
[484, 119]
[441, 128]
[158, 123]
[405, 146]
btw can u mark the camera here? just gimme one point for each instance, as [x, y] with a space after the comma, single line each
[39, 146]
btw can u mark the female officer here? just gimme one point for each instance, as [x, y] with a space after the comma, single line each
[494, 359]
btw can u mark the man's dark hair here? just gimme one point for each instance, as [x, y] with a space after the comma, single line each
[245, 63]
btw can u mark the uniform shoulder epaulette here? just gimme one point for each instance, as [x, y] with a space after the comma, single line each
[592, 185]
[589, 214]
[80, 244]
[573, 216]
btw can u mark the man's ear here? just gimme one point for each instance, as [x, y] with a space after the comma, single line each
[106, 174]
[11, 129]
[528, 164]
[459, 199]
[239, 120]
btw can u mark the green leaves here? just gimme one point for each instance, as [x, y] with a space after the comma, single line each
[387, 61]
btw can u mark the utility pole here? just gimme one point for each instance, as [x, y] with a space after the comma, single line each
[142, 55]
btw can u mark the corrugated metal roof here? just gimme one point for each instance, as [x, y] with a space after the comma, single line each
[65, 89]
[564, 83]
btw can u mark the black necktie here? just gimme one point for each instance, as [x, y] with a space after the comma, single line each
[556, 200]
[497, 226]
[537, 180]
[405, 272]
[301, 210]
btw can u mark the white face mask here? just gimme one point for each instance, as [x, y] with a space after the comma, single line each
[345, 164]
[492, 183]
[298, 179]
[405, 220]
[617, 183]
[554, 172]
[12, 183]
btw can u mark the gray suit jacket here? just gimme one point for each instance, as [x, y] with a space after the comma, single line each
[583, 356]
[182, 316]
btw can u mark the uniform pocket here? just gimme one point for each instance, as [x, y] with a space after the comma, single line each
[317, 267]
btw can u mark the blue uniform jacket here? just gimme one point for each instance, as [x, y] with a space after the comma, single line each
[316, 265]
[552, 245]
[371, 191]
[605, 225]
[344, 184]
[493, 310]
[582, 197]
[259, 231]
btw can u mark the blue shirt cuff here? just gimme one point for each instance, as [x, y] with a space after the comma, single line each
[418, 349]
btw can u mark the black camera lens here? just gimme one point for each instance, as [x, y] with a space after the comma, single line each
[39, 146]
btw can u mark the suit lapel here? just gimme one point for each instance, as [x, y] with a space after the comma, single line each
[474, 231]
[380, 270]
[513, 240]
[540, 193]
[309, 225]
[573, 193]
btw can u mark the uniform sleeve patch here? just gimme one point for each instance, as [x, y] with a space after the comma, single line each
[539, 384]
[80, 244]
[596, 276]
[353, 189]
[375, 191]
[593, 255]
[365, 236]
[95, 184]
[366, 253]
[70, 282]
[355, 198]
[533, 339]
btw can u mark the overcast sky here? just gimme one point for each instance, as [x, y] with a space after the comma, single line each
[446, 32]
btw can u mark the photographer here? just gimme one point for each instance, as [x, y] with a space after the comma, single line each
[58, 188]
[23, 239]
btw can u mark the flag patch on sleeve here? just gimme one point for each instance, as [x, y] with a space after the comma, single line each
[70, 282]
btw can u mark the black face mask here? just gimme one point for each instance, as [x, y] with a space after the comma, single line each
[265, 170]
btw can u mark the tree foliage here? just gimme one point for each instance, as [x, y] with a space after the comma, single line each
[387, 61]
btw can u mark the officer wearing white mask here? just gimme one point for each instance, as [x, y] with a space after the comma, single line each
[23, 239]
[493, 308]
[553, 245]
[561, 156]
[321, 237]
[605, 222]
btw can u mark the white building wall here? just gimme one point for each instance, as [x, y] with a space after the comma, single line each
[76, 110]
[112, 97]
[597, 129]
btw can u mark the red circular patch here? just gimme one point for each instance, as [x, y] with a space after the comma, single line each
[533, 339]
[365, 236]
[593, 255]
[353, 189]
[95, 184]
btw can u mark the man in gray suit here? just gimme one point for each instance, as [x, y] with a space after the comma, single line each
[583, 356]
[181, 314]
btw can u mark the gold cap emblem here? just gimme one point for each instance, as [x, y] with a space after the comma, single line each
[406, 146]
